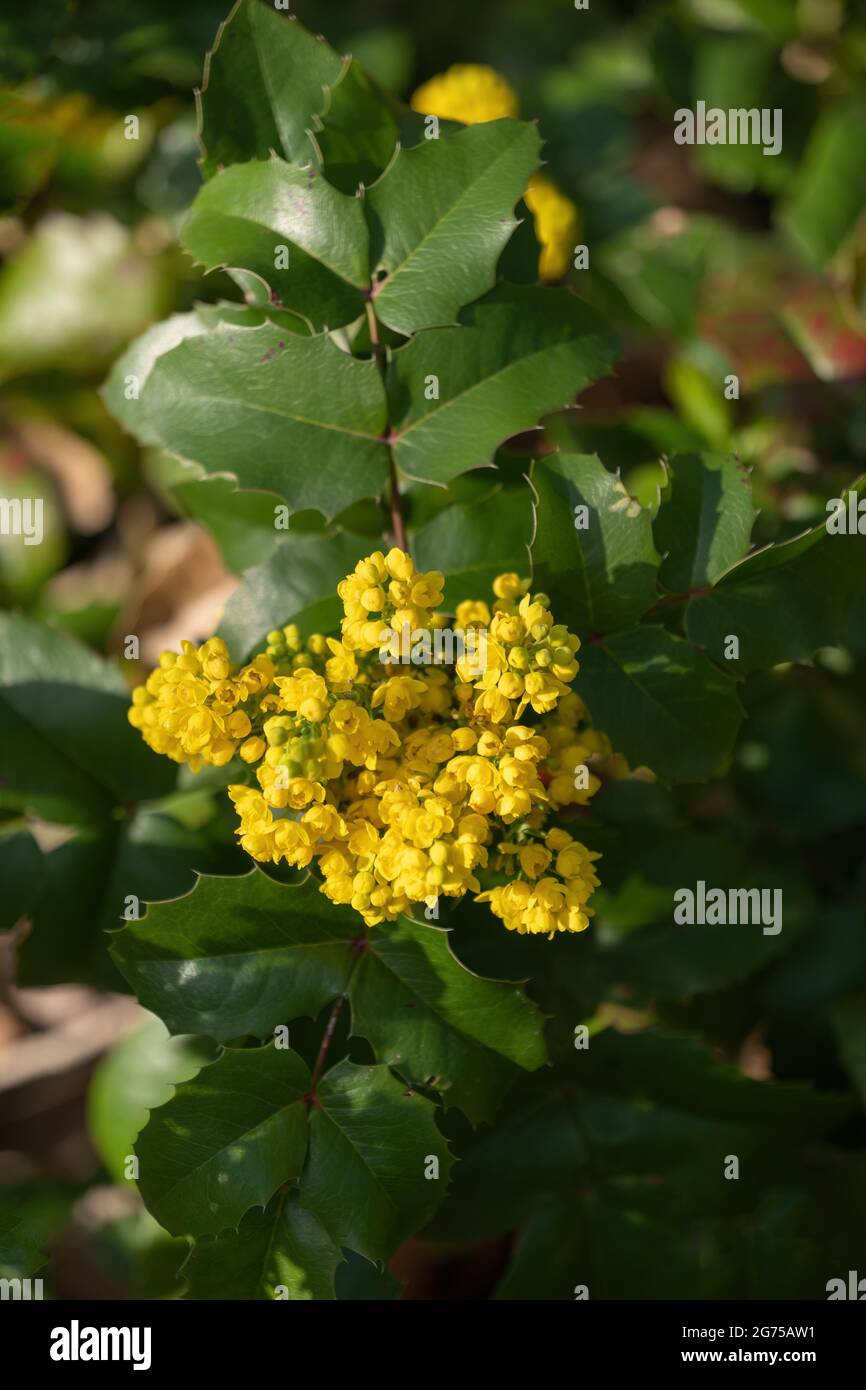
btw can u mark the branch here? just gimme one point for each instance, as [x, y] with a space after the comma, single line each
[398, 525]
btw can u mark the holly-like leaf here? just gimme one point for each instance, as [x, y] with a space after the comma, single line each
[705, 520]
[471, 544]
[68, 751]
[357, 133]
[293, 416]
[663, 703]
[296, 584]
[139, 1073]
[225, 1141]
[306, 240]
[785, 601]
[86, 885]
[433, 1020]
[240, 956]
[280, 1252]
[124, 389]
[372, 1143]
[265, 82]
[592, 551]
[457, 191]
[519, 353]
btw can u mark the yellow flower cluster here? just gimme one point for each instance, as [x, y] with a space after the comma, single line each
[401, 784]
[196, 708]
[472, 93]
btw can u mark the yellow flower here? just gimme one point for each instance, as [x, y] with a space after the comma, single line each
[393, 810]
[557, 226]
[467, 92]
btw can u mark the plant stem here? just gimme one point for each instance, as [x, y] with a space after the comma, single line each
[359, 947]
[397, 522]
[325, 1044]
[398, 525]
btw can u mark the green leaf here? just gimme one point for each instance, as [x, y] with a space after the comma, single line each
[358, 132]
[371, 1141]
[471, 544]
[457, 191]
[296, 584]
[293, 416]
[20, 873]
[225, 1141]
[705, 520]
[602, 576]
[84, 889]
[241, 523]
[264, 85]
[782, 602]
[138, 1074]
[826, 197]
[68, 750]
[238, 955]
[280, 1252]
[662, 703]
[256, 216]
[21, 1252]
[519, 353]
[848, 1018]
[434, 1021]
[124, 390]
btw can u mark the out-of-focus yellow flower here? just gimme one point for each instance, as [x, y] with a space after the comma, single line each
[473, 93]
[468, 92]
[557, 225]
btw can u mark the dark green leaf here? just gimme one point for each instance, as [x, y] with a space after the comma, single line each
[433, 1020]
[457, 191]
[68, 750]
[226, 1141]
[20, 873]
[602, 576]
[471, 544]
[519, 353]
[280, 1252]
[138, 1074]
[358, 132]
[238, 956]
[371, 1141]
[662, 702]
[293, 416]
[783, 602]
[296, 584]
[257, 216]
[705, 520]
[264, 84]
[124, 390]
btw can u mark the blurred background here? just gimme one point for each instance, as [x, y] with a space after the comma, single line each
[710, 259]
